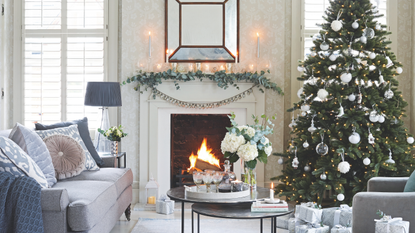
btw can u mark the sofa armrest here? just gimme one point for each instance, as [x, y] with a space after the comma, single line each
[54, 199]
[386, 184]
[365, 205]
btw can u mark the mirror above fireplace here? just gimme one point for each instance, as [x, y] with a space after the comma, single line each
[202, 30]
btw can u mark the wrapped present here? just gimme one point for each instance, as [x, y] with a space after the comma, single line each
[337, 216]
[282, 222]
[391, 225]
[293, 222]
[308, 212]
[341, 229]
[164, 205]
[312, 228]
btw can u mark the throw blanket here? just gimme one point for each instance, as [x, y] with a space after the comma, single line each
[20, 208]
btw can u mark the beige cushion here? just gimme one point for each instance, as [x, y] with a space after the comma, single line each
[68, 157]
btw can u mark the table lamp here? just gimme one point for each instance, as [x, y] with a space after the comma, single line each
[104, 95]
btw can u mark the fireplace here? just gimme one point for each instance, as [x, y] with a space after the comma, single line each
[188, 133]
[155, 124]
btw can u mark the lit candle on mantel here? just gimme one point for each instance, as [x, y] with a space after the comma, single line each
[236, 57]
[167, 55]
[149, 44]
[257, 34]
[159, 67]
[271, 192]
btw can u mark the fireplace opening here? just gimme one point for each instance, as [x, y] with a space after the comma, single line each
[193, 133]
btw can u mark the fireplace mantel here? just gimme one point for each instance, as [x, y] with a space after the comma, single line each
[154, 156]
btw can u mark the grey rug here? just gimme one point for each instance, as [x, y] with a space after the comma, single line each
[209, 225]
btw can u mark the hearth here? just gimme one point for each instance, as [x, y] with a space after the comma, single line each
[196, 138]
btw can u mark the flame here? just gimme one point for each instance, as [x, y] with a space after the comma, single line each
[203, 154]
[272, 185]
[257, 34]
[149, 33]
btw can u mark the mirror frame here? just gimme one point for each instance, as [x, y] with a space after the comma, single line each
[175, 50]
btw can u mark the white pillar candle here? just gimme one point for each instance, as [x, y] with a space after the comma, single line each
[167, 55]
[236, 57]
[258, 44]
[149, 44]
[271, 192]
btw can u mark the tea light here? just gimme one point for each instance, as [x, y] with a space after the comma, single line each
[271, 192]
[237, 185]
[158, 67]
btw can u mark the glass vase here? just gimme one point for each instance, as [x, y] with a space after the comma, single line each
[250, 177]
[114, 148]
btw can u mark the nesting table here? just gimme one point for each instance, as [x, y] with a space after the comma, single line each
[237, 208]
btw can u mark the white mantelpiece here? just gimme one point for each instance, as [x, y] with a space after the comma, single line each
[155, 115]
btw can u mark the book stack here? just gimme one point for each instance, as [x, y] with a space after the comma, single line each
[264, 207]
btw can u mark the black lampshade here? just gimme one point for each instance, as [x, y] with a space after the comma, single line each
[103, 94]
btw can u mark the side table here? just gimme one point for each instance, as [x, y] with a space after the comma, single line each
[118, 157]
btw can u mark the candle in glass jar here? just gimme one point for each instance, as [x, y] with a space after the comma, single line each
[271, 191]
[149, 44]
[236, 185]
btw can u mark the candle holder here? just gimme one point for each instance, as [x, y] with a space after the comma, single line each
[229, 67]
[198, 66]
[237, 186]
[173, 67]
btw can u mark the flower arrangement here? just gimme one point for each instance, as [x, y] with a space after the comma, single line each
[248, 142]
[113, 134]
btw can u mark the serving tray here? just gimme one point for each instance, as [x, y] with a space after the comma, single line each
[190, 192]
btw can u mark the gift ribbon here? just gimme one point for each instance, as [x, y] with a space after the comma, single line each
[388, 220]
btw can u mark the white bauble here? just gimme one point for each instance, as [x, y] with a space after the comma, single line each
[352, 97]
[280, 161]
[372, 55]
[303, 114]
[346, 77]
[410, 140]
[305, 144]
[333, 57]
[363, 39]
[323, 176]
[313, 54]
[388, 94]
[355, 25]
[366, 161]
[324, 46]
[372, 68]
[305, 107]
[344, 167]
[322, 94]
[378, 27]
[374, 118]
[381, 119]
[336, 25]
[300, 68]
[307, 168]
[340, 197]
[399, 70]
[354, 138]
[300, 92]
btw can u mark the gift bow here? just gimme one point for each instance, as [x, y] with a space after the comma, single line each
[164, 198]
[339, 227]
[388, 219]
[345, 207]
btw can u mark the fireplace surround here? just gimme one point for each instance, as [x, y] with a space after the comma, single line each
[155, 124]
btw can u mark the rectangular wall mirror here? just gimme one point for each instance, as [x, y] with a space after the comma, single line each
[202, 30]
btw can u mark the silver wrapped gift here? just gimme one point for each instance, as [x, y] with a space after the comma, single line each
[312, 228]
[391, 225]
[293, 222]
[337, 216]
[308, 212]
[164, 205]
[282, 222]
[341, 229]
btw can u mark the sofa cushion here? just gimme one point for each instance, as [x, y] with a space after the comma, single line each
[67, 155]
[410, 184]
[11, 153]
[34, 146]
[71, 131]
[83, 132]
[122, 177]
[89, 201]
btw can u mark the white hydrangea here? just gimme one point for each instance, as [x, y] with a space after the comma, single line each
[231, 143]
[266, 141]
[268, 150]
[248, 152]
[249, 130]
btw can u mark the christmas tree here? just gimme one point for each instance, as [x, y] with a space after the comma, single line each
[350, 128]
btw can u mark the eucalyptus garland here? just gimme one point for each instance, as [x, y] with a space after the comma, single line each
[224, 80]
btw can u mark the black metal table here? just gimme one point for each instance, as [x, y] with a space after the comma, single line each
[178, 194]
[118, 156]
[234, 211]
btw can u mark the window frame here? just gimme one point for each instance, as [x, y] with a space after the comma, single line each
[298, 32]
[110, 57]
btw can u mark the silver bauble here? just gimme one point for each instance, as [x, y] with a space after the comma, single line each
[373, 116]
[305, 107]
[322, 148]
[303, 114]
[336, 25]
[410, 140]
[346, 77]
[280, 161]
[340, 197]
[333, 57]
[363, 39]
[355, 25]
[312, 129]
[305, 144]
[369, 33]
[388, 94]
[381, 119]
[352, 97]
[399, 70]
[307, 168]
[323, 176]
[354, 138]
[366, 161]
[300, 68]
[372, 55]
[322, 94]
[324, 46]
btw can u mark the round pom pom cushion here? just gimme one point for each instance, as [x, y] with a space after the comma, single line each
[68, 157]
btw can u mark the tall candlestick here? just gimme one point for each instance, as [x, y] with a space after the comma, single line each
[271, 192]
[258, 44]
[149, 44]
[167, 55]
[236, 57]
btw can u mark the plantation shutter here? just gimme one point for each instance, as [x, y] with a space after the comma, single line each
[313, 14]
[64, 48]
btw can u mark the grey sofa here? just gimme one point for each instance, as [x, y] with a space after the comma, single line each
[385, 194]
[90, 202]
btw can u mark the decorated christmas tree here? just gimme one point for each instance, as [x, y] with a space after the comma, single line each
[349, 127]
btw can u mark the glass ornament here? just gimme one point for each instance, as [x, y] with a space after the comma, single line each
[354, 138]
[371, 139]
[369, 33]
[378, 27]
[366, 161]
[300, 68]
[305, 144]
[312, 129]
[323, 176]
[336, 25]
[295, 163]
[322, 148]
[324, 46]
[372, 55]
[322, 94]
[307, 168]
[355, 24]
[373, 116]
[410, 140]
[388, 94]
[363, 39]
[381, 119]
[390, 160]
[399, 70]
[280, 161]
[333, 57]
[352, 97]
[303, 114]
[346, 77]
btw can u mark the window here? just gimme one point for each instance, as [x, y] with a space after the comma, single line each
[64, 47]
[313, 12]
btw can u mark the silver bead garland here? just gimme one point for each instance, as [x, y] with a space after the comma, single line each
[217, 104]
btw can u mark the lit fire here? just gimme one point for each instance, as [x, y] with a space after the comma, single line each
[203, 154]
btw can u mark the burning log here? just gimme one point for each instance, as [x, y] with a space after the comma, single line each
[202, 165]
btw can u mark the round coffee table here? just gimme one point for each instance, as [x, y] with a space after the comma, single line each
[235, 211]
[178, 194]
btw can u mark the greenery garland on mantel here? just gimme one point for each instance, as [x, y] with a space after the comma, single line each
[224, 80]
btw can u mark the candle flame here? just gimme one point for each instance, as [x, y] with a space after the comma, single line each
[257, 34]
[272, 185]
[167, 51]
[149, 33]
[171, 51]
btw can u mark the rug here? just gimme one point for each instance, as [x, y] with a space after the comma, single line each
[208, 225]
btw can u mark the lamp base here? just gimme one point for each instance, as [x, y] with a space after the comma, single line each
[102, 144]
